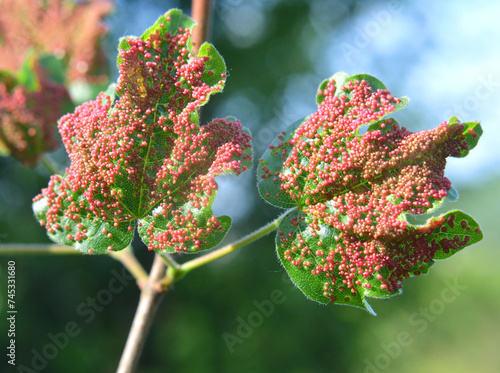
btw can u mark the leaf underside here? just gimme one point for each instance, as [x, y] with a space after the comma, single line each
[139, 156]
[352, 235]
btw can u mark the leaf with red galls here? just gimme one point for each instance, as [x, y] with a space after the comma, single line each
[31, 101]
[138, 152]
[350, 236]
[70, 30]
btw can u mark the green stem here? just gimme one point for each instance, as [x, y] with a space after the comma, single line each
[183, 269]
[169, 261]
[129, 261]
[173, 271]
[126, 256]
[43, 249]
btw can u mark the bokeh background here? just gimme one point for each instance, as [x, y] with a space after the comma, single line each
[443, 55]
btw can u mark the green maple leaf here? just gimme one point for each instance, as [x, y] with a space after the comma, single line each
[139, 155]
[350, 235]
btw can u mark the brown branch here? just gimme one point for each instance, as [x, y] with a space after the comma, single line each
[201, 12]
[152, 293]
[149, 302]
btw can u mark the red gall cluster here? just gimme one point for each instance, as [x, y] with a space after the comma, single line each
[28, 118]
[144, 155]
[216, 149]
[360, 185]
[64, 28]
[350, 263]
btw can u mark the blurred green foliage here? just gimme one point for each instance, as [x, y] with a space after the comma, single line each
[439, 334]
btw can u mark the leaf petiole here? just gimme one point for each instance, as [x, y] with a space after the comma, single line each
[176, 272]
[129, 261]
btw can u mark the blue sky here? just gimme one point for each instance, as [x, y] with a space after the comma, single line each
[445, 57]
